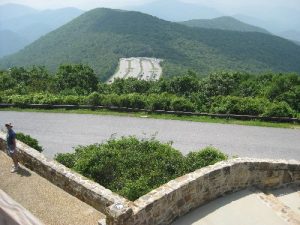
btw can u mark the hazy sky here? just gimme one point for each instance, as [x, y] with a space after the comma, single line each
[226, 6]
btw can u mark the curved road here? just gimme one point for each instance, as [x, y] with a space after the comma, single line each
[61, 132]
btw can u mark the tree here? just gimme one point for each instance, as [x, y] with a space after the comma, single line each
[80, 79]
[184, 85]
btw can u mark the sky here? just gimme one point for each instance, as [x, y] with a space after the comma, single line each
[226, 6]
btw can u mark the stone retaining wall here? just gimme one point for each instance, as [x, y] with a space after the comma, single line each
[174, 199]
[84, 189]
[183, 194]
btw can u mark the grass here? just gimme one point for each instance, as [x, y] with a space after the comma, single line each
[205, 119]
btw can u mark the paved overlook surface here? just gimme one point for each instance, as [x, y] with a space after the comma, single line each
[61, 132]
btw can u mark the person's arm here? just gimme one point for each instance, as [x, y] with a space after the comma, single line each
[14, 143]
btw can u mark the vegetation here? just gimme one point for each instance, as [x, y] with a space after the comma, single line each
[275, 95]
[133, 167]
[101, 37]
[30, 141]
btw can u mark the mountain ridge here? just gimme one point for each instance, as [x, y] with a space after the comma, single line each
[177, 10]
[224, 23]
[101, 36]
[30, 24]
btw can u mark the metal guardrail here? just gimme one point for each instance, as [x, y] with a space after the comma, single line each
[179, 113]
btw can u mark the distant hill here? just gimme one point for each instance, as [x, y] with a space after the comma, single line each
[174, 10]
[10, 11]
[224, 23]
[30, 24]
[293, 35]
[11, 42]
[101, 36]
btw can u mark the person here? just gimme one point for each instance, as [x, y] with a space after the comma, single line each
[11, 146]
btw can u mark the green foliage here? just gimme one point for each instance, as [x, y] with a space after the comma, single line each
[205, 157]
[159, 102]
[182, 104]
[79, 78]
[239, 105]
[94, 99]
[133, 167]
[223, 92]
[67, 159]
[184, 85]
[30, 141]
[279, 109]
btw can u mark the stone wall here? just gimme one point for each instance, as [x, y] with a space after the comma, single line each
[84, 189]
[174, 199]
[183, 194]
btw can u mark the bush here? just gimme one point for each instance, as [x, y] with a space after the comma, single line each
[32, 142]
[133, 101]
[159, 101]
[239, 105]
[111, 100]
[133, 167]
[67, 159]
[279, 109]
[206, 157]
[182, 104]
[94, 99]
[71, 100]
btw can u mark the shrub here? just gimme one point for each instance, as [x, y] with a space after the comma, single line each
[94, 99]
[182, 104]
[67, 159]
[133, 101]
[111, 100]
[133, 167]
[159, 101]
[239, 105]
[279, 109]
[205, 157]
[27, 139]
[71, 100]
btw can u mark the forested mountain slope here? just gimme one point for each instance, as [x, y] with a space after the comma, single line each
[101, 36]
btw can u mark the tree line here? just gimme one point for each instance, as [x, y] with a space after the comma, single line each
[267, 94]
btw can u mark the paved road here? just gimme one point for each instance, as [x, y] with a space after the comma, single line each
[60, 132]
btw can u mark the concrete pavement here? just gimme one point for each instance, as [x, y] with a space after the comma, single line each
[50, 204]
[247, 207]
[12, 213]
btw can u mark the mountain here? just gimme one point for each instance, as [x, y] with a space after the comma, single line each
[224, 23]
[30, 24]
[293, 35]
[174, 10]
[101, 36]
[10, 11]
[272, 17]
[49, 18]
[11, 42]
[280, 26]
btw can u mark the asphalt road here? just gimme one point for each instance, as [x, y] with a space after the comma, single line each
[61, 132]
